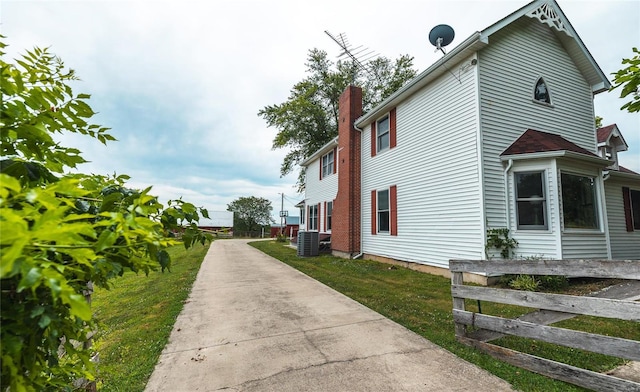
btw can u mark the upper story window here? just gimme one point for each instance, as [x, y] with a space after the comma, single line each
[531, 203]
[541, 92]
[382, 133]
[579, 206]
[328, 162]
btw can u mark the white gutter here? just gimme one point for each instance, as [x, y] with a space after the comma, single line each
[593, 159]
[359, 255]
[506, 193]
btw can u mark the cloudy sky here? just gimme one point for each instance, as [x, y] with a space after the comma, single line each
[180, 82]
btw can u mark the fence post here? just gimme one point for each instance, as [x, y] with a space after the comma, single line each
[458, 303]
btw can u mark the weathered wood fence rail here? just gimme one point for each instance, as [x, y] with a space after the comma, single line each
[553, 307]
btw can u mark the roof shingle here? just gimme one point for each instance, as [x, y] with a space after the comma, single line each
[533, 141]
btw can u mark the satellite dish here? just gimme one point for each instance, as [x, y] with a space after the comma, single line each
[441, 36]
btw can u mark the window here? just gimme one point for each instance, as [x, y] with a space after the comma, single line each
[329, 213]
[541, 92]
[382, 133]
[530, 200]
[383, 211]
[631, 200]
[328, 164]
[302, 215]
[313, 217]
[579, 207]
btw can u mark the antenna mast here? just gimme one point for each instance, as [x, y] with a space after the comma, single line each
[359, 55]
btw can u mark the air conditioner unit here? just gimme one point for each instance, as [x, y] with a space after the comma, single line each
[308, 244]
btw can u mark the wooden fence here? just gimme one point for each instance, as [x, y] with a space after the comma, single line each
[553, 308]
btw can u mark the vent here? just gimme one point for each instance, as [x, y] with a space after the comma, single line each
[308, 244]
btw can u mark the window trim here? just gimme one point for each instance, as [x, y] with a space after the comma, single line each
[597, 212]
[540, 80]
[329, 167]
[630, 208]
[380, 135]
[313, 217]
[387, 211]
[544, 199]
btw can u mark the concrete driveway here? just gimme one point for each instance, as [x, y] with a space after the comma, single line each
[253, 323]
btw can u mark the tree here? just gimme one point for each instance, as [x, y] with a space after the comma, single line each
[629, 79]
[249, 213]
[63, 232]
[308, 119]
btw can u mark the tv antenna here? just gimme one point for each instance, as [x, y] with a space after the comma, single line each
[359, 55]
[441, 36]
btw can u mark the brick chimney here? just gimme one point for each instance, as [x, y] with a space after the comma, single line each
[345, 230]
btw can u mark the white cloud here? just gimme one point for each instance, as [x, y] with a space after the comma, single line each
[181, 82]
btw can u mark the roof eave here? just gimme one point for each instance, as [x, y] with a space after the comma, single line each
[465, 49]
[631, 176]
[324, 149]
[558, 154]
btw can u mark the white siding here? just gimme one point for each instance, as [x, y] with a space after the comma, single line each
[624, 244]
[509, 68]
[318, 191]
[435, 169]
[584, 246]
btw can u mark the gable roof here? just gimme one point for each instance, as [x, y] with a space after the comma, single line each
[605, 134]
[546, 11]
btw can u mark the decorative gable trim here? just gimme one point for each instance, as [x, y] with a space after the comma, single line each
[547, 14]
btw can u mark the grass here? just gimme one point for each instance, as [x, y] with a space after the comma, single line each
[422, 303]
[136, 317]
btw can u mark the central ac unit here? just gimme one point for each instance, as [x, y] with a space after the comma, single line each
[308, 244]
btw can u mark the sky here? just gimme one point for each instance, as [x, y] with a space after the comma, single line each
[180, 82]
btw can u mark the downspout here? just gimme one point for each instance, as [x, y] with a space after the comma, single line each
[506, 193]
[359, 255]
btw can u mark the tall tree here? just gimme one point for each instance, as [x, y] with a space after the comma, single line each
[629, 79]
[308, 119]
[250, 213]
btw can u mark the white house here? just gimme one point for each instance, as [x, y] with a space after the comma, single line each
[499, 133]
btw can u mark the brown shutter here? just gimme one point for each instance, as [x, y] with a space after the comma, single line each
[325, 216]
[393, 205]
[335, 160]
[392, 128]
[374, 213]
[373, 139]
[626, 200]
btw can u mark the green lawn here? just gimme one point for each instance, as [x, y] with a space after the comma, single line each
[136, 317]
[422, 303]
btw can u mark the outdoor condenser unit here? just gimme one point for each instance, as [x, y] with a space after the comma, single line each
[308, 244]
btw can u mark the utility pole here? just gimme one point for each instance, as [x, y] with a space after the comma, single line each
[282, 214]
